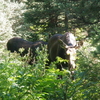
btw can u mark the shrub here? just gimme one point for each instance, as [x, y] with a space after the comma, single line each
[20, 81]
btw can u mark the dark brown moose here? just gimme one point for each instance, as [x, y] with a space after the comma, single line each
[33, 48]
[63, 46]
[14, 44]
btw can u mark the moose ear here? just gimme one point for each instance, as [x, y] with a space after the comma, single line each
[62, 44]
[60, 41]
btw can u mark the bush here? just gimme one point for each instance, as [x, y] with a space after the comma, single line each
[20, 81]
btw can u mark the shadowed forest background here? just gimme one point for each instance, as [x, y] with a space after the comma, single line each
[35, 20]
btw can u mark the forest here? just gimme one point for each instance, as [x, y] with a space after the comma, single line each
[34, 20]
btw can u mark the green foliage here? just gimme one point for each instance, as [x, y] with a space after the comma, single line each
[47, 13]
[89, 75]
[39, 33]
[62, 15]
[20, 81]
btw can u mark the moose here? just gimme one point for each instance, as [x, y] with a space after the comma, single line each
[14, 44]
[63, 46]
[33, 48]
